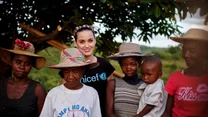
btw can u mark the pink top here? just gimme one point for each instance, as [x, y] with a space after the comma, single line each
[191, 95]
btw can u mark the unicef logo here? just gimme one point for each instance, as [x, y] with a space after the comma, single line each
[95, 78]
[103, 76]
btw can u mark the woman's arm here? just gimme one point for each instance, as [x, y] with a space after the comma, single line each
[41, 94]
[169, 106]
[110, 99]
[110, 77]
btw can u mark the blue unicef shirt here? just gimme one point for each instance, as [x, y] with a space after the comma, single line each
[97, 78]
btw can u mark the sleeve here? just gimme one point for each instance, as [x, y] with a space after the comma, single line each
[107, 66]
[155, 95]
[47, 110]
[170, 86]
[96, 112]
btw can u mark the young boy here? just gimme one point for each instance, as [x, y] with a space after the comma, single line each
[153, 100]
[72, 99]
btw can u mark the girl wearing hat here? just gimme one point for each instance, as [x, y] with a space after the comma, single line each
[21, 96]
[72, 99]
[122, 94]
[98, 76]
[188, 88]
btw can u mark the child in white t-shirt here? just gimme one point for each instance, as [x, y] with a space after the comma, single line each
[153, 100]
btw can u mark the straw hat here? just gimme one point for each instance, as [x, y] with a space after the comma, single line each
[71, 57]
[22, 48]
[196, 33]
[126, 50]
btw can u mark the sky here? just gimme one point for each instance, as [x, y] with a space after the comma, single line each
[164, 42]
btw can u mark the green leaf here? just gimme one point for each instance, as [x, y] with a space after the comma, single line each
[157, 12]
[103, 1]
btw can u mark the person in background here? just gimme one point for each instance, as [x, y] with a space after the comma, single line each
[97, 76]
[72, 99]
[188, 88]
[122, 94]
[21, 96]
[154, 97]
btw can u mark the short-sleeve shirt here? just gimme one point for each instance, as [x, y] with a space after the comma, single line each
[154, 94]
[97, 78]
[190, 95]
[63, 102]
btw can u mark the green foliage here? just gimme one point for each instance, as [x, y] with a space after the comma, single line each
[191, 6]
[118, 17]
[46, 76]
[175, 52]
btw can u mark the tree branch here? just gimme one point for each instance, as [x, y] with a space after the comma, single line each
[45, 37]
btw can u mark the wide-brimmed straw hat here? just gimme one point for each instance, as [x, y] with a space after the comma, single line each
[127, 50]
[195, 33]
[22, 48]
[71, 57]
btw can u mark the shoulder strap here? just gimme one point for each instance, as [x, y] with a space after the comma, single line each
[30, 88]
[29, 93]
[31, 85]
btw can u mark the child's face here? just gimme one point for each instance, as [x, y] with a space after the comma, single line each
[129, 66]
[150, 72]
[72, 77]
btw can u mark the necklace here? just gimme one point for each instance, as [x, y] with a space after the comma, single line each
[73, 96]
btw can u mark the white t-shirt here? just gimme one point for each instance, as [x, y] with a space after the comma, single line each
[154, 94]
[62, 102]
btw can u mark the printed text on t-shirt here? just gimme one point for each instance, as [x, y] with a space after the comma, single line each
[94, 78]
[188, 94]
